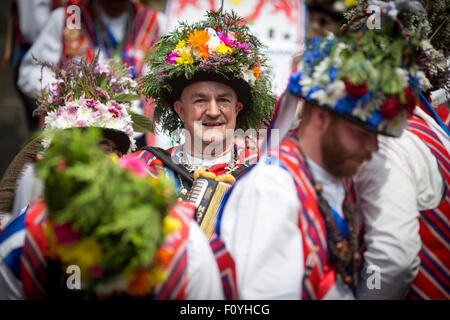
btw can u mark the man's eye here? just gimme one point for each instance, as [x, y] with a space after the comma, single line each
[200, 101]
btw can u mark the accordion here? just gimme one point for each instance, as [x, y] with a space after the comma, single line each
[207, 194]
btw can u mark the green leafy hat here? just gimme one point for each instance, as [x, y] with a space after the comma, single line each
[369, 77]
[427, 22]
[105, 215]
[220, 48]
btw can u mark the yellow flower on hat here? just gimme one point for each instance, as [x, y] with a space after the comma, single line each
[350, 3]
[84, 253]
[170, 225]
[158, 275]
[180, 45]
[184, 56]
[223, 48]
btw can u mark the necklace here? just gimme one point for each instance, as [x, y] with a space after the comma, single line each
[344, 252]
[231, 164]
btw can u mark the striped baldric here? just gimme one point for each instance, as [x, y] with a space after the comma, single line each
[433, 279]
[319, 275]
[174, 288]
[33, 264]
[226, 266]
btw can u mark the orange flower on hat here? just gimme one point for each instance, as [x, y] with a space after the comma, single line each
[198, 38]
[256, 70]
[202, 51]
[141, 284]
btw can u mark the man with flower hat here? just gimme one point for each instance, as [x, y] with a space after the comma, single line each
[149, 250]
[206, 78]
[294, 210]
[403, 191]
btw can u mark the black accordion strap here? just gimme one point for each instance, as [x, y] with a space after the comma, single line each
[166, 158]
[236, 173]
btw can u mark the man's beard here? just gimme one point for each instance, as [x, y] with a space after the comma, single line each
[337, 160]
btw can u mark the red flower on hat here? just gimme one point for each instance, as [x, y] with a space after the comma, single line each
[410, 100]
[353, 90]
[390, 108]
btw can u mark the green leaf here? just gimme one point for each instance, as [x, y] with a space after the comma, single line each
[141, 123]
[125, 97]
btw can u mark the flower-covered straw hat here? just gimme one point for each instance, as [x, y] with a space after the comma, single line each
[221, 49]
[92, 95]
[368, 77]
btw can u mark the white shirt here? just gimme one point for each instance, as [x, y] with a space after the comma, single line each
[33, 14]
[401, 179]
[260, 229]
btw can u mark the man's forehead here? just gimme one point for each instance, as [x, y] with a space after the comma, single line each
[205, 88]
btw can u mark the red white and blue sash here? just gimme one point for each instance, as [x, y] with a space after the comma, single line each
[319, 275]
[174, 288]
[433, 279]
[33, 263]
[226, 266]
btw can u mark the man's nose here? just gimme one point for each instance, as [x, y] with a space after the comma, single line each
[213, 110]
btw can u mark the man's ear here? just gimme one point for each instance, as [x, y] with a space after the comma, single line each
[322, 119]
[239, 107]
[178, 106]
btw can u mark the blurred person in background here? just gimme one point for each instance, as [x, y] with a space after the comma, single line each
[27, 19]
[121, 30]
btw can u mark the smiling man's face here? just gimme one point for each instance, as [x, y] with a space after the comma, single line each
[212, 103]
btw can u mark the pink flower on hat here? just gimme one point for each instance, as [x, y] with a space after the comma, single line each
[135, 165]
[65, 234]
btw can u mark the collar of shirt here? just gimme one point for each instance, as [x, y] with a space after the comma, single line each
[333, 188]
[197, 162]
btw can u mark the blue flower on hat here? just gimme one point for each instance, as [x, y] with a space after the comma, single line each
[375, 120]
[332, 73]
[311, 91]
[345, 105]
[294, 85]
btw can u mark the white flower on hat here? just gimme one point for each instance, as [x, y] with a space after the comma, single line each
[248, 75]
[320, 74]
[337, 61]
[332, 93]
[306, 83]
[90, 113]
[214, 40]
[425, 84]
[404, 75]
[364, 112]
